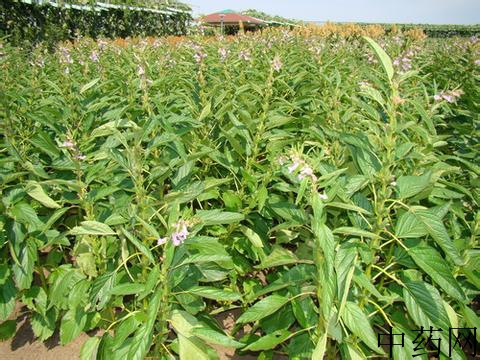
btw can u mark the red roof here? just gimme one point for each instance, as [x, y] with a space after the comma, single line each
[230, 18]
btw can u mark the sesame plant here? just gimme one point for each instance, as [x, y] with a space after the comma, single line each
[321, 190]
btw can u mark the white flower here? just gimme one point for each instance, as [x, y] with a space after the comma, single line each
[323, 196]
[295, 165]
[162, 241]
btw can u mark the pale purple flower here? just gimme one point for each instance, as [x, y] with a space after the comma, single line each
[296, 164]
[140, 70]
[68, 144]
[437, 97]
[94, 56]
[80, 157]
[181, 233]
[477, 62]
[323, 196]
[223, 54]
[307, 171]
[199, 56]
[277, 64]
[244, 55]
[448, 97]
[364, 84]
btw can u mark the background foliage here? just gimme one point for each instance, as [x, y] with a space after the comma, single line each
[34, 23]
[324, 188]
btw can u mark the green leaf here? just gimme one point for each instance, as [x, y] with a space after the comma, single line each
[89, 348]
[205, 112]
[142, 340]
[351, 353]
[345, 206]
[425, 303]
[190, 347]
[425, 307]
[7, 329]
[419, 222]
[36, 191]
[383, 56]
[92, 228]
[278, 257]
[252, 236]
[44, 326]
[214, 293]
[122, 332]
[100, 291]
[23, 272]
[409, 186]
[346, 230]
[219, 217]
[407, 351]
[269, 341]
[72, 325]
[42, 141]
[139, 245]
[438, 269]
[320, 348]
[153, 277]
[263, 308]
[127, 289]
[214, 337]
[89, 85]
[356, 320]
[472, 319]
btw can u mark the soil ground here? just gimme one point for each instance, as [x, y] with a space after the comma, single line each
[24, 346]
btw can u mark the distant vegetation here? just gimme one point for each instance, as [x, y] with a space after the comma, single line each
[267, 17]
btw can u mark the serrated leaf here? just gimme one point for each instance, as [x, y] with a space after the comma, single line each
[7, 329]
[438, 269]
[278, 257]
[425, 301]
[472, 320]
[44, 326]
[92, 228]
[420, 222]
[320, 348]
[358, 323]
[89, 348]
[36, 191]
[214, 293]
[214, 337]
[409, 186]
[89, 85]
[72, 325]
[252, 236]
[263, 308]
[127, 289]
[219, 217]
[269, 341]
[23, 271]
[139, 245]
[347, 230]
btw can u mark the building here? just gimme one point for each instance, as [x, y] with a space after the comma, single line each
[231, 22]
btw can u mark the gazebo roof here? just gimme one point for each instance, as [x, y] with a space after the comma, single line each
[230, 16]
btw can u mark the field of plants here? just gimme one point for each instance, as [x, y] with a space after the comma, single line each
[322, 190]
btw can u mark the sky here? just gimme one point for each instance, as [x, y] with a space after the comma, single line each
[382, 11]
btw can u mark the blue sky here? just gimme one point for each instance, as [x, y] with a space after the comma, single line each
[385, 11]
